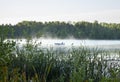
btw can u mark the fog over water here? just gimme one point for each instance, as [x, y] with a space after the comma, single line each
[105, 44]
[66, 45]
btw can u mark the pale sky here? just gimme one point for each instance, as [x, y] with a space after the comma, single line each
[14, 11]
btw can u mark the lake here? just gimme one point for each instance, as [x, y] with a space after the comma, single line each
[104, 44]
[63, 45]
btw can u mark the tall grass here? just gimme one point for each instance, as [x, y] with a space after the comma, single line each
[33, 64]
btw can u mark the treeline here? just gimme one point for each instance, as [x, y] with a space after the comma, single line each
[78, 30]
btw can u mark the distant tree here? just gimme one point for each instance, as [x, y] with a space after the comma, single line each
[79, 30]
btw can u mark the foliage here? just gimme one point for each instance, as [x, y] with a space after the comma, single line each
[32, 63]
[79, 30]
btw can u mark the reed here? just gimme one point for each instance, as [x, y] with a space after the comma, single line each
[33, 64]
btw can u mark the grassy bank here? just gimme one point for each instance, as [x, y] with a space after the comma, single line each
[32, 64]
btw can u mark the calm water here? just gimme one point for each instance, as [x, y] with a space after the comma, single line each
[66, 44]
[106, 44]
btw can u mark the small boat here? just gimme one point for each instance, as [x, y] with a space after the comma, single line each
[60, 43]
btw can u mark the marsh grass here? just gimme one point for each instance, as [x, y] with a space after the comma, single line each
[32, 64]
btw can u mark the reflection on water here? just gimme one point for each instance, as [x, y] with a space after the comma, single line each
[105, 44]
[112, 58]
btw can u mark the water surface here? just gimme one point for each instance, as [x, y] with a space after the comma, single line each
[105, 44]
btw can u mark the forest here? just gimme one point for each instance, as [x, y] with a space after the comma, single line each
[62, 30]
[32, 63]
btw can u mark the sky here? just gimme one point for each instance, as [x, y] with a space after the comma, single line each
[14, 11]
